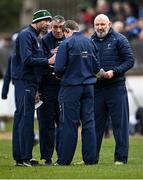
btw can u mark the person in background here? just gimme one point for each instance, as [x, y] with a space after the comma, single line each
[132, 29]
[116, 58]
[48, 112]
[25, 75]
[1, 73]
[76, 65]
[118, 26]
[88, 31]
[7, 76]
[7, 79]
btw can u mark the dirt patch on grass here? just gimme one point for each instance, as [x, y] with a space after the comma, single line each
[6, 135]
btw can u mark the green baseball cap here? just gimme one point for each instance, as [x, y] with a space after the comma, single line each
[40, 15]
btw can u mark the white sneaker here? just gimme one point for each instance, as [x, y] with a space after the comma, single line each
[56, 164]
[79, 163]
[118, 163]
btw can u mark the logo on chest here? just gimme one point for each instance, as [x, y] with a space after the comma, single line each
[109, 46]
[38, 44]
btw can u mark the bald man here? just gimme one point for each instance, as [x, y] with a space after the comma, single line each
[116, 57]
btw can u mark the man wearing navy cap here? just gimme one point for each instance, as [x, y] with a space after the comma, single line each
[26, 67]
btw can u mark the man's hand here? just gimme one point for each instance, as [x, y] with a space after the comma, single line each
[52, 59]
[108, 74]
[105, 74]
[100, 74]
[54, 51]
[37, 97]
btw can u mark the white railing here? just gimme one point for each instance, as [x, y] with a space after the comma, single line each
[134, 84]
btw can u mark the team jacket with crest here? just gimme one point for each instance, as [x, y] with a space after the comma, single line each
[114, 53]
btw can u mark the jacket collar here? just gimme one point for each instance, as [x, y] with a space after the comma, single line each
[77, 33]
[94, 36]
[34, 30]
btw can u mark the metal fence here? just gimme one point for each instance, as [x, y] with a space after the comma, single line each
[137, 47]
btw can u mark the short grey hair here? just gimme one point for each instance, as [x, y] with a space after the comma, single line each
[72, 25]
[58, 19]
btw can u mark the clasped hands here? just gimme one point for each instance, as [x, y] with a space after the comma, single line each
[105, 74]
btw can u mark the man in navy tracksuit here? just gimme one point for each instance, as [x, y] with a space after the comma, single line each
[26, 66]
[116, 57]
[6, 84]
[76, 65]
[48, 113]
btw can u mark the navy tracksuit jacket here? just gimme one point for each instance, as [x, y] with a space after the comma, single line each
[114, 53]
[48, 113]
[27, 64]
[76, 65]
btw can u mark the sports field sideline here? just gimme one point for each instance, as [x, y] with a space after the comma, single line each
[104, 170]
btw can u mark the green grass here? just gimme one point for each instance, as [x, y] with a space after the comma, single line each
[9, 123]
[104, 170]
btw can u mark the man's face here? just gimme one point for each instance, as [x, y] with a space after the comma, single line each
[42, 26]
[57, 29]
[101, 27]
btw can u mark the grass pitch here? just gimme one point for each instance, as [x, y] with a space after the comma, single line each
[104, 170]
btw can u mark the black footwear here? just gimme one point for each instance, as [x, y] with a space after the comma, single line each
[30, 163]
[27, 164]
[34, 162]
[48, 162]
[19, 163]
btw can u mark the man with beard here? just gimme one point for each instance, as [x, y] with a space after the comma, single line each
[115, 57]
[48, 112]
[27, 60]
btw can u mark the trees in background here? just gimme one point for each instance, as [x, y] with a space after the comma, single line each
[9, 15]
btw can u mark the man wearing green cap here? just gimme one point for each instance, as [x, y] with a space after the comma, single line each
[26, 67]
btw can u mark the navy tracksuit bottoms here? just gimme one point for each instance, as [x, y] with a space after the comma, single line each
[23, 125]
[76, 103]
[48, 117]
[112, 101]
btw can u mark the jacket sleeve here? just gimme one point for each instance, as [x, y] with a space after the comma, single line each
[26, 51]
[126, 56]
[7, 79]
[96, 64]
[44, 44]
[61, 59]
